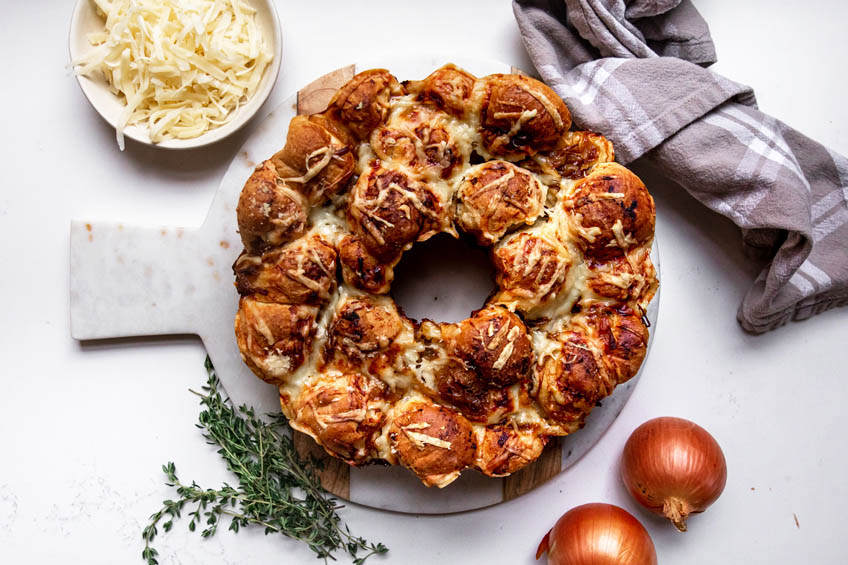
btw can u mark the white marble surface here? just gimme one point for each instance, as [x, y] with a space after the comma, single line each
[86, 427]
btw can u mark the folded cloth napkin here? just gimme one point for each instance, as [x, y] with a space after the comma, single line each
[634, 70]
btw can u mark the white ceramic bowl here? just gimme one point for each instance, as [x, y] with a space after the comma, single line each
[109, 106]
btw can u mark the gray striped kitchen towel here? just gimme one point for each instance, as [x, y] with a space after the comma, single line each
[635, 71]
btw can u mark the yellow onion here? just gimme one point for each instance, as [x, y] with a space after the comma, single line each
[598, 534]
[674, 468]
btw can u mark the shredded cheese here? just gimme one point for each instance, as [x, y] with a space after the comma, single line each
[421, 440]
[417, 426]
[182, 68]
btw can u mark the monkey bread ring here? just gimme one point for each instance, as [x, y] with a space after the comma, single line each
[325, 221]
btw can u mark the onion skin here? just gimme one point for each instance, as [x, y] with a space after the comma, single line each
[598, 534]
[674, 468]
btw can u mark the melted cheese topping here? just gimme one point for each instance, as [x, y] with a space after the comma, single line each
[324, 155]
[523, 118]
[409, 366]
[421, 440]
[181, 68]
[293, 384]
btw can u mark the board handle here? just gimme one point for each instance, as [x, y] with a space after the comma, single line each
[132, 281]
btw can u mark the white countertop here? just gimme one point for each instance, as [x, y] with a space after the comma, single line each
[85, 428]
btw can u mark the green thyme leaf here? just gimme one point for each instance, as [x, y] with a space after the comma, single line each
[277, 490]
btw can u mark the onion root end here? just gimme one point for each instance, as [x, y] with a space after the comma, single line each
[677, 511]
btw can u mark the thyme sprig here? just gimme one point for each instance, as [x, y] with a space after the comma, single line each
[277, 490]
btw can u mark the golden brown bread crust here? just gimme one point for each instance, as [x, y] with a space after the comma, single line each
[317, 158]
[521, 116]
[363, 103]
[503, 450]
[624, 278]
[435, 442]
[274, 338]
[301, 272]
[269, 212]
[363, 326]
[462, 385]
[495, 197]
[449, 88]
[343, 412]
[361, 269]
[571, 382]
[612, 195]
[327, 218]
[530, 270]
[578, 152]
[494, 341]
[624, 338]
[389, 211]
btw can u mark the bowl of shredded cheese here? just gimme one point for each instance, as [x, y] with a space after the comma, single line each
[175, 73]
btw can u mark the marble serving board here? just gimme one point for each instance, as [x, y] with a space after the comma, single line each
[139, 281]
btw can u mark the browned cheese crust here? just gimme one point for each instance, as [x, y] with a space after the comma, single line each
[495, 197]
[449, 88]
[613, 209]
[301, 272]
[389, 211]
[521, 116]
[435, 442]
[326, 219]
[341, 413]
[504, 449]
[530, 269]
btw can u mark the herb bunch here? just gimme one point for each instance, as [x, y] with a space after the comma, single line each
[277, 490]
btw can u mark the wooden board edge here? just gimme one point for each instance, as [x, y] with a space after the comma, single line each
[334, 474]
[546, 467]
[314, 97]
